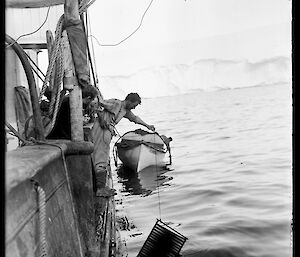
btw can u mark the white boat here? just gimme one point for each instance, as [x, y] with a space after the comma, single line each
[139, 149]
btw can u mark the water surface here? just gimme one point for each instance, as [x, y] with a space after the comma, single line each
[229, 188]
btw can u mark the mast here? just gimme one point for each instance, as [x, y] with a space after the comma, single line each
[71, 12]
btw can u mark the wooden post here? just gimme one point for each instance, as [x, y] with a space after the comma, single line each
[71, 84]
[50, 41]
[71, 13]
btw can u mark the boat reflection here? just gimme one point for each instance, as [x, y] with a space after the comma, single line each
[143, 182]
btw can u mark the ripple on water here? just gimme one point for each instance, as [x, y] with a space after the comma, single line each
[231, 180]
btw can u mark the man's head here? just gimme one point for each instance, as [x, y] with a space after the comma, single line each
[88, 94]
[132, 101]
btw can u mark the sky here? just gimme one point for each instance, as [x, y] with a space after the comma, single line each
[172, 30]
[169, 32]
[175, 20]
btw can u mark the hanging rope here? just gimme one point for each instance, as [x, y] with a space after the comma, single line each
[42, 220]
[56, 95]
[157, 184]
[56, 66]
[28, 34]
[93, 51]
[54, 55]
[68, 183]
[131, 34]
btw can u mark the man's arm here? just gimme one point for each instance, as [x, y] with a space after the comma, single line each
[136, 119]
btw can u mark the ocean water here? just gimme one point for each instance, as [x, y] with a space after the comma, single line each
[229, 188]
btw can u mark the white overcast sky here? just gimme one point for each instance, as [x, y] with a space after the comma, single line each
[169, 22]
[182, 31]
[173, 20]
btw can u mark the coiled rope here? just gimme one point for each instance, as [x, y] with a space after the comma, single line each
[56, 97]
[56, 64]
[56, 57]
[53, 56]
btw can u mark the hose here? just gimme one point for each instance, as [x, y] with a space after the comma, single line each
[37, 117]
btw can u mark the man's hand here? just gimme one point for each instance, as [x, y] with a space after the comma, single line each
[151, 127]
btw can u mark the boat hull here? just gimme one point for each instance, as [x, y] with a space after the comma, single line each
[140, 157]
[139, 149]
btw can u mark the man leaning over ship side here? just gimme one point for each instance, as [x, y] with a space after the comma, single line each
[62, 126]
[109, 113]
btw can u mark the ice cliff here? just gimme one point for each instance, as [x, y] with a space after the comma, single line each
[203, 74]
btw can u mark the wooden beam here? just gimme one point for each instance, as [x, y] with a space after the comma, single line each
[71, 13]
[32, 3]
[71, 10]
[71, 83]
[50, 40]
[34, 46]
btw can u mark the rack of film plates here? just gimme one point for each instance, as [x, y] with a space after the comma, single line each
[162, 241]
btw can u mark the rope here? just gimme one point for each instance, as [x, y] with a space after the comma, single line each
[55, 64]
[157, 184]
[15, 132]
[67, 178]
[115, 152]
[28, 34]
[42, 220]
[37, 67]
[85, 29]
[84, 5]
[58, 80]
[57, 42]
[53, 56]
[120, 42]
[55, 101]
[93, 51]
[56, 61]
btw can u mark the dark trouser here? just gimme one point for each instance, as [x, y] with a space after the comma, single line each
[101, 139]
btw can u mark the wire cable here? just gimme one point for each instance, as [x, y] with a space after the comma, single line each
[120, 42]
[37, 68]
[92, 46]
[157, 184]
[32, 61]
[15, 132]
[28, 34]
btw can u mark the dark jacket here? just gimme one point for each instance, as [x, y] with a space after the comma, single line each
[62, 126]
